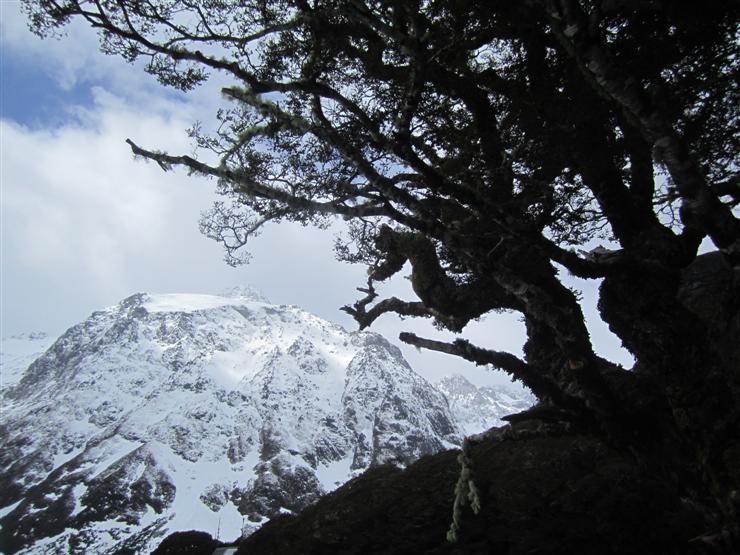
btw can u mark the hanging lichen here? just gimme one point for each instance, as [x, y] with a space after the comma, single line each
[465, 490]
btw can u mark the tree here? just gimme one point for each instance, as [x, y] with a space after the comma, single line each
[488, 144]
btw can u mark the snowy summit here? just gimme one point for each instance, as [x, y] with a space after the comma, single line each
[476, 409]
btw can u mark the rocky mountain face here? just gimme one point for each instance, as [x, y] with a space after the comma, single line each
[476, 409]
[215, 413]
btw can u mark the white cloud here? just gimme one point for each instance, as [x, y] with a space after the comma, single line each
[78, 209]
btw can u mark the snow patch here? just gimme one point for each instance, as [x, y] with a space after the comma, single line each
[10, 508]
[77, 492]
[176, 302]
[334, 473]
[17, 352]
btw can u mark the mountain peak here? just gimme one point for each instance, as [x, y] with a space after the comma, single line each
[193, 302]
[28, 336]
[246, 292]
[455, 384]
[239, 295]
[477, 409]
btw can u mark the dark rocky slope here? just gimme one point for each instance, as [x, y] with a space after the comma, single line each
[541, 494]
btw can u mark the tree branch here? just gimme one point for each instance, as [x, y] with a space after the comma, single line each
[395, 305]
[538, 382]
[252, 188]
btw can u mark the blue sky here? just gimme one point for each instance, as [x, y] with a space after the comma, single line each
[31, 97]
[84, 225]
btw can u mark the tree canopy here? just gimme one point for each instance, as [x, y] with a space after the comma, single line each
[488, 144]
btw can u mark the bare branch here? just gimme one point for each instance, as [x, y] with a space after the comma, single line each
[394, 305]
[542, 386]
[251, 188]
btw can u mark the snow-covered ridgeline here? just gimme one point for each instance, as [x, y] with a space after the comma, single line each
[476, 409]
[215, 412]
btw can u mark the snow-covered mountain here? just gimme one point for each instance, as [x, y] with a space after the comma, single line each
[178, 412]
[476, 409]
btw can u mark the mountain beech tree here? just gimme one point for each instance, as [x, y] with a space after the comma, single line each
[492, 147]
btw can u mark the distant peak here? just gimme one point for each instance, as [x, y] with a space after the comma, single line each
[29, 336]
[246, 292]
[455, 379]
[455, 384]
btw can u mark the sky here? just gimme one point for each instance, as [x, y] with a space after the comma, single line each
[84, 225]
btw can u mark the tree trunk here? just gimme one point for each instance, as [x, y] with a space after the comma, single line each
[685, 332]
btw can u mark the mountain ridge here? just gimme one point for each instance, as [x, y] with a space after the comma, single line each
[157, 412]
[479, 408]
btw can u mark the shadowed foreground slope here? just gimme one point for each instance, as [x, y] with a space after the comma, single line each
[556, 494]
